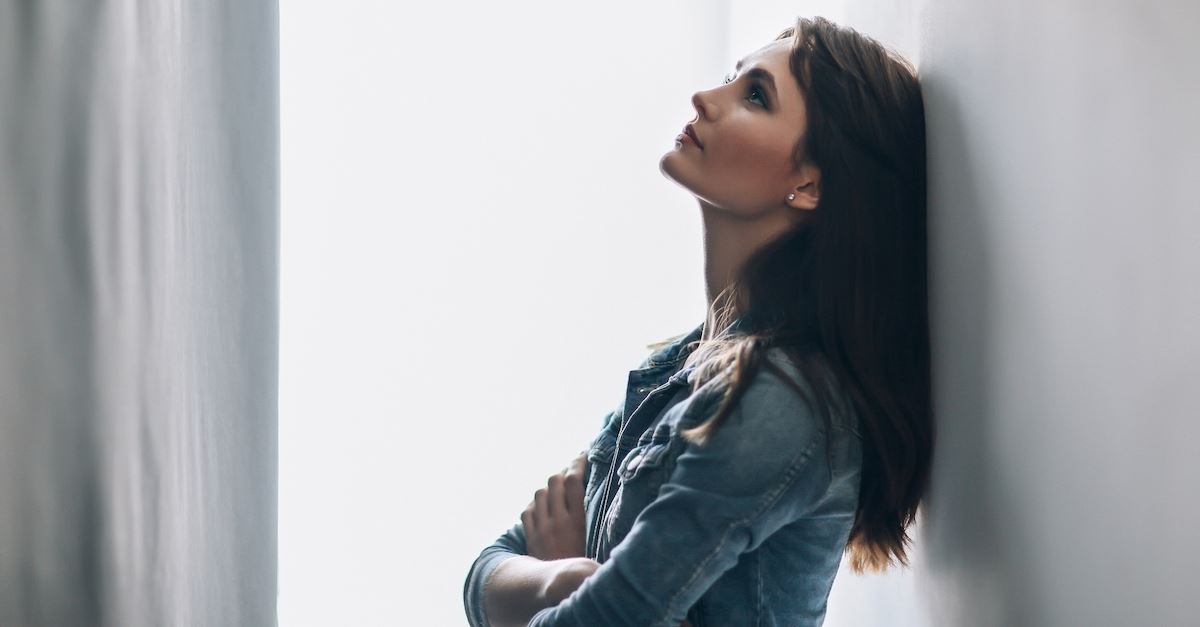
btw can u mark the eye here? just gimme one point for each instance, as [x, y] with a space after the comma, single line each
[754, 89]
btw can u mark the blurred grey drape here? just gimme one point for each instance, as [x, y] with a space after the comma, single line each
[138, 312]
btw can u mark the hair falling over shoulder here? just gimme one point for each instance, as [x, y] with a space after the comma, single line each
[845, 293]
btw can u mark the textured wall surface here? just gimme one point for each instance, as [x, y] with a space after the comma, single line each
[138, 309]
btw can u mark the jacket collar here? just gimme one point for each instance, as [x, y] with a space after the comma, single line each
[672, 350]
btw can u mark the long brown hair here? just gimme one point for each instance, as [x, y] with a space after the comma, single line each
[844, 293]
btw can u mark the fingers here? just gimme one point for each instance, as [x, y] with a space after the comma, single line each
[528, 519]
[541, 511]
[562, 496]
[578, 464]
[573, 487]
[573, 493]
[556, 496]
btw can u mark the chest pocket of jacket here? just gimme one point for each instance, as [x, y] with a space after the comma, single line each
[641, 473]
[645, 464]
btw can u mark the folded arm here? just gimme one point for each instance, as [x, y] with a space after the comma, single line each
[510, 545]
[507, 584]
[759, 472]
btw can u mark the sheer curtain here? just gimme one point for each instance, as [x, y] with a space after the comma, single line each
[138, 312]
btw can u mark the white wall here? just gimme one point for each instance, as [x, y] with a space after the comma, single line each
[459, 265]
[477, 247]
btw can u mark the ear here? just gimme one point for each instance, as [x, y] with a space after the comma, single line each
[806, 187]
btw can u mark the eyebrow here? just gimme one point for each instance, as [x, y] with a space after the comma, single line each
[762, 74]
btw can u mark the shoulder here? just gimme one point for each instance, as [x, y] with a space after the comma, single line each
[769, 429]
[772, 440]
[773, 407]
[785, 382]
[778, 389]
[778, 411]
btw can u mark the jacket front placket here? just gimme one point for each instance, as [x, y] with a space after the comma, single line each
[647, 391]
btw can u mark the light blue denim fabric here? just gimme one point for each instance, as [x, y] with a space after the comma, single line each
[748, 529]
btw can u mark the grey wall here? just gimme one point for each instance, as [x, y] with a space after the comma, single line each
[1065, 240]
[1064, 160]
[138, 308]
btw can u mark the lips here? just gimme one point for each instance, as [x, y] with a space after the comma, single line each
[691, 132]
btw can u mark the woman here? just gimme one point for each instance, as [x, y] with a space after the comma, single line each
[794, 424]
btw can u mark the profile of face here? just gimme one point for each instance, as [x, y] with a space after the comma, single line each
[748, 128]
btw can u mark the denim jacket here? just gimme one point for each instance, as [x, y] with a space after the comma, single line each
[748, 529]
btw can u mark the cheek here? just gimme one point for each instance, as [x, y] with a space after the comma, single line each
[749, 159]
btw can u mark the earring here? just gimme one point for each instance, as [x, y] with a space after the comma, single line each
[791, 197]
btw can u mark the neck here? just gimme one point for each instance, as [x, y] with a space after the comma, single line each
[729, 240]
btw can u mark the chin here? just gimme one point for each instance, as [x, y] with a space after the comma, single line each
[676, 180]
[668, 167]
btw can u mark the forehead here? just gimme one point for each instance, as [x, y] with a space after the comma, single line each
[773, 56]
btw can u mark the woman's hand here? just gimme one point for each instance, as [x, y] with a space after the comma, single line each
[554, 520]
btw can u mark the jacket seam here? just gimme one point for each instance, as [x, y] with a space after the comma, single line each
[758, 605]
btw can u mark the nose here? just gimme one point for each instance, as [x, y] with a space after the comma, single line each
[702, 110]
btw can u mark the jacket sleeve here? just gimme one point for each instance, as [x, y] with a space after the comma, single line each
[509, 544]
[762, 469]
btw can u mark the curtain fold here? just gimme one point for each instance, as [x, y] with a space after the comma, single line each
[139, 221]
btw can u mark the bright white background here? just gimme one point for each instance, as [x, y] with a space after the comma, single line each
[477, 245]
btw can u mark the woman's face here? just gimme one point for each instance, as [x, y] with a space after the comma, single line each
[748, 128]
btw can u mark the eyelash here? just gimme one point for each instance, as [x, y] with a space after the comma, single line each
[754, 87]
